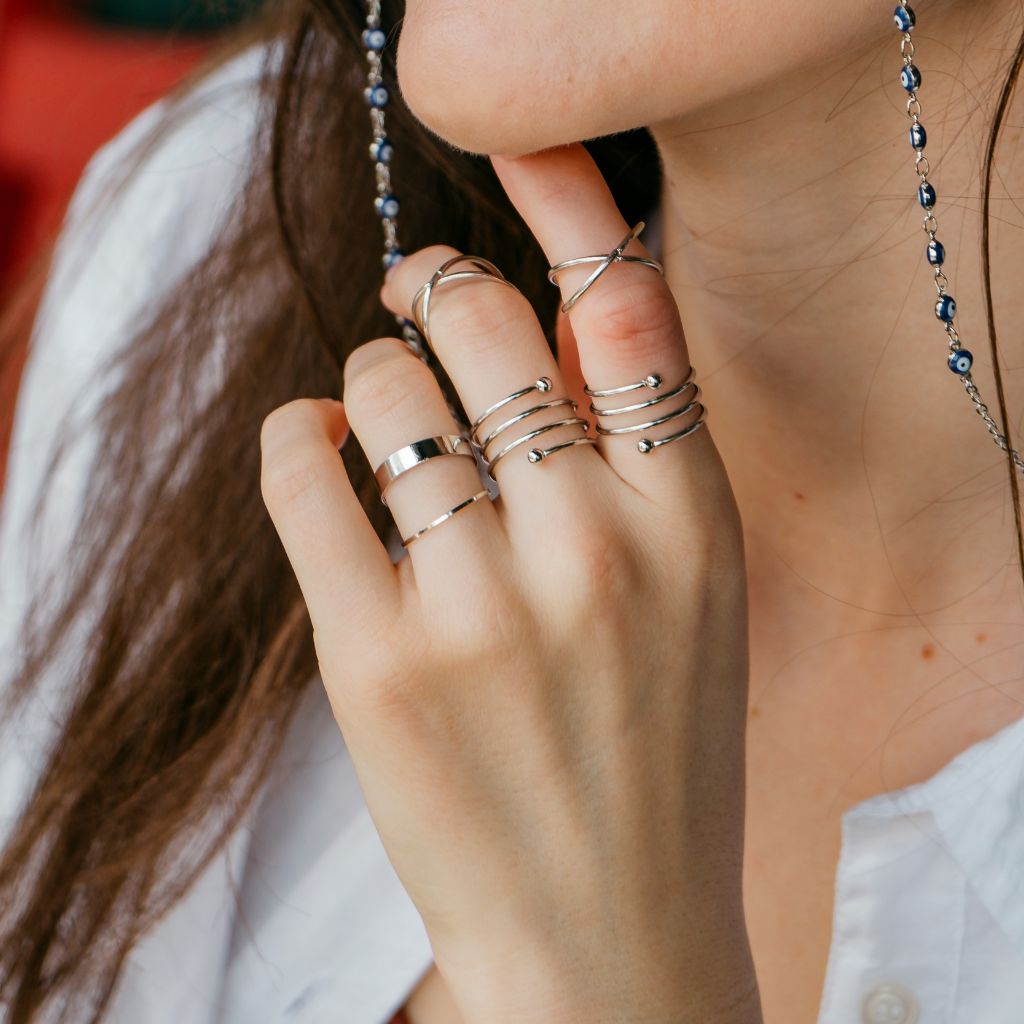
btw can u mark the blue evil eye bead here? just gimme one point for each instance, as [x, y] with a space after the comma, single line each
[945, 308]
[904, 17]
[382, 151]
[918, 136]
[960, 362]
[376, 96]
[411, 332]
[926, 195]
[936, 253]
[910, 77]
[392, 258]
[387, 206]
[374, 38]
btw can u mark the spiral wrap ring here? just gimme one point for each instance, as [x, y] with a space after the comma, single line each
[652, 382]
[535, 454]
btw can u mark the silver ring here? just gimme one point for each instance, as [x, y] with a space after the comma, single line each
[615, 256]
[535, 455]
[652, 381]
[531, 457]
[488, 272]
[446, 516]
[410, 456]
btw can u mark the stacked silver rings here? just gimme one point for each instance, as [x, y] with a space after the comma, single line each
[535, 454]
[615, 256]
[652, 382]
[479, 442]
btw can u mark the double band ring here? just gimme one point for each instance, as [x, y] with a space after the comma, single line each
[605, 261]
[485, 271]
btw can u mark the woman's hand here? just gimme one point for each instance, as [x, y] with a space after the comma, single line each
[545, 702]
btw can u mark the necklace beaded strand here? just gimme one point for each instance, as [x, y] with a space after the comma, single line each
[382, 153]
[960, 359]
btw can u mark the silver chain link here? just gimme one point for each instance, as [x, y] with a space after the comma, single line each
[922, 167]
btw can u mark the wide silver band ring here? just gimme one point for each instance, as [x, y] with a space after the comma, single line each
[444, 517]
[652, 381]
[486, 271]
[605, 261]
[410, 456]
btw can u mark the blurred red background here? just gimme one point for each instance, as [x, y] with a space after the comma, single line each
[71, 75]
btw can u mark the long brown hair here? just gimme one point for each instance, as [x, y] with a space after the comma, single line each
[199, 646]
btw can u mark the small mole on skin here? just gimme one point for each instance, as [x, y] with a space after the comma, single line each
[981, 637]
[755, 711]
[798, 495]
[927, 652]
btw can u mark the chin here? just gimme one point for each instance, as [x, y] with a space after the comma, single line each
[483, 97]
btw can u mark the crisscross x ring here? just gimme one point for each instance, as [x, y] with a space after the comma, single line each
[421, 300]
[615, 256]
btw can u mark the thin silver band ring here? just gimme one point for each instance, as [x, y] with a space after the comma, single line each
[487, 272]
[446, 516]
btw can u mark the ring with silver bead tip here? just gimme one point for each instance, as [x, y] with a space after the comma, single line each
[653, 382]
[605, 261]
[535, 454]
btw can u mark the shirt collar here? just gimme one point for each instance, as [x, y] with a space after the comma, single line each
[976, 801]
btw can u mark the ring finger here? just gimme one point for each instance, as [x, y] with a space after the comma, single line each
[392, 400]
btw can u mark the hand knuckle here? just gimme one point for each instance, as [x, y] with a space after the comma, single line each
[638, 317]
[293, 476]
[602, 578]
[278, 422]
[479, 321]
[386, 385]
[384, 686]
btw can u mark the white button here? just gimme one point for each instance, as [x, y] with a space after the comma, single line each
[889, 1003]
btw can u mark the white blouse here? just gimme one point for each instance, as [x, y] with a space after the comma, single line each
[302, 919]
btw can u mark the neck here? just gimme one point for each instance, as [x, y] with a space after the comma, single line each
[792, 240]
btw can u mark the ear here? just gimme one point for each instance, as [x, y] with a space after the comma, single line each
[569, 363]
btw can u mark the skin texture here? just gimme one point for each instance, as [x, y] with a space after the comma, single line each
[885, 611]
